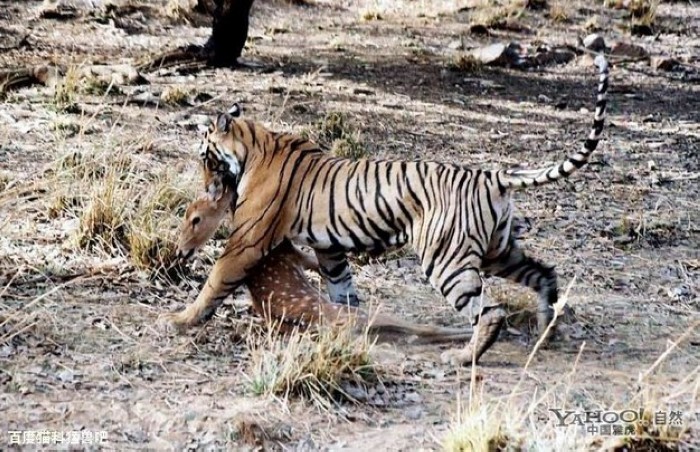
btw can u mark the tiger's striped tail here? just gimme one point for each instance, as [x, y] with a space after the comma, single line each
[523, 178]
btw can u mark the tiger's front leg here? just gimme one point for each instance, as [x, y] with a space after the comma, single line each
[335, 269]
[226, 275]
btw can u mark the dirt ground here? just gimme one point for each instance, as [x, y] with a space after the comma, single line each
[79, 349]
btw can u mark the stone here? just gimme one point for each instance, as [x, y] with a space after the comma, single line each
[456, 45]
[624, 49]
[553, 57]
[498, 54]
[594, 42]
[662, 63]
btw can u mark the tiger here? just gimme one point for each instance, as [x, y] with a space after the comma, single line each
[458, 219]
[280, 291]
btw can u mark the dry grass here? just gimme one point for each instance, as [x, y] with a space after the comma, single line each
[116, 216]
[103, 221]
[558, 13]
[335, 125]
[99, 87]
[312, 365]
[149, 247]
[67, 89]
[466, 62]
[642, 12]
[498, 15]
[337, 132]
[176, 95]
[516, 423]
[370, 15]
[349, 147]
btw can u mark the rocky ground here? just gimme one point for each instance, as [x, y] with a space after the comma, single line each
[95, 172]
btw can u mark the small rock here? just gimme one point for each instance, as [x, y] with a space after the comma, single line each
[490, 84]
[652, 165]
[553, 57]
[641, 30]
[356, 392]
[413, 413]
[628, 50]
[6, 351]
[363, 91]
[594, 42]
[544, 99]
[378, 401]
[66, 376]
[680, 293]
[498, 54]
[413, 397]
[479, 29]
[456, 45]
[661, 63]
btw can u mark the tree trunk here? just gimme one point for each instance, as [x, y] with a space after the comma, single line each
[229, 31]
[228, 35]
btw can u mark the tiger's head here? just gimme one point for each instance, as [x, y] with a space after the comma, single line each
[202, 219]
[223, 150]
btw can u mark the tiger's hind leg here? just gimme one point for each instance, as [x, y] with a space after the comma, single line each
[335, 269]
[461, 284]
[513, 264]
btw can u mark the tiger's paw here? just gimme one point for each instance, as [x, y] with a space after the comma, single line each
[457, 357]
[172, 323]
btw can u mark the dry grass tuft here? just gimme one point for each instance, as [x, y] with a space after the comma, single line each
[99, 87]
[370, 15]
[349, 147]
[312, 365]
[103, 223]
[177, 9]
[67, 89]
[336, 132]
[116, 215]
[592, 24]
[495, 15]
[642, 12]
[176, 95]
[334, 126]
[558, 13]
[466, 62]
[149, 248]
[484, 427]
[4, 181]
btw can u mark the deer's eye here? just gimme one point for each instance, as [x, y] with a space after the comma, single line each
[196, 221]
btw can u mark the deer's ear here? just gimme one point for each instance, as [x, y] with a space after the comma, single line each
[215, 190]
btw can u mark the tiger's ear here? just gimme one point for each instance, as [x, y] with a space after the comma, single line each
[223, 122]
[235, 111]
